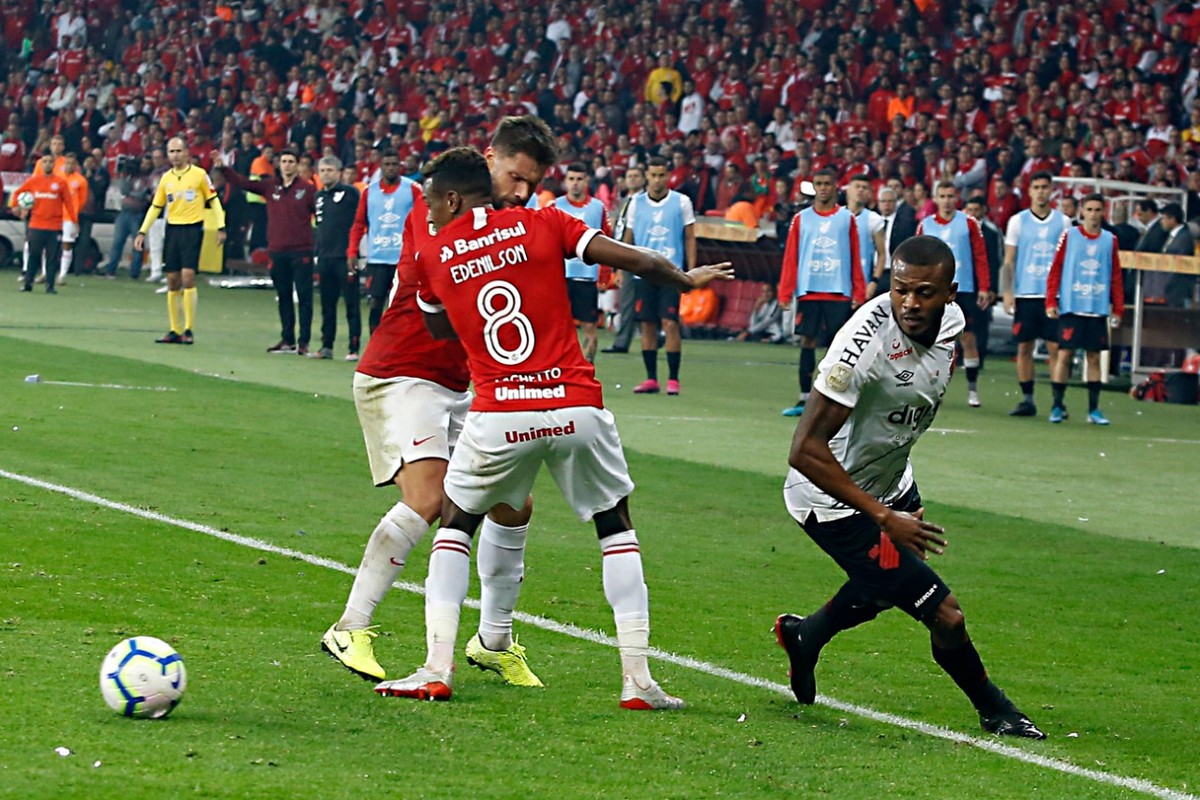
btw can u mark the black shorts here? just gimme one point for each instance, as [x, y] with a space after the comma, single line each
[379, 279]
[881, 572]
[1077, 332]
[585, 300]
[1030, 322]
[181, 247]
[973, 316]
[821, 319]
[652, 302]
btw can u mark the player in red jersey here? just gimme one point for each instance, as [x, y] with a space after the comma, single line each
[410, 391]
[496, 280]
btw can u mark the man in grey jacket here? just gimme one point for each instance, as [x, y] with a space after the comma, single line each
[135, 188]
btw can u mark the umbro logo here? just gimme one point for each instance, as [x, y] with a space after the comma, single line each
[904, 378]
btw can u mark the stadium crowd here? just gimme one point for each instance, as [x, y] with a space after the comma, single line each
[735, 93]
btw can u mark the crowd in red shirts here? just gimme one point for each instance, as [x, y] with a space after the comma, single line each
[737, 93]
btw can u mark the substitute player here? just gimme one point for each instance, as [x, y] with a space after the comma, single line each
[495, 279]
[1029, 246]
[851, 483]
[581, 276]
[185, 192]
[664, 221]
[822, 277]
[871, 245]
[383, 208]
[69, 171]
[410, 391]
[1085, 293]
[964, 237]
[53, 205]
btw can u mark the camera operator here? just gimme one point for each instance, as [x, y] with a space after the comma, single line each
[134, 184]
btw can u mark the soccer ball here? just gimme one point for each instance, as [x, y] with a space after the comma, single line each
[25, 200]
[143, 677]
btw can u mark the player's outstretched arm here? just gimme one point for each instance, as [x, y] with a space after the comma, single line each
[810, 455]
[653, 266]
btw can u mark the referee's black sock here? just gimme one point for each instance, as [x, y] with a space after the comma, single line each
[1058, 390]
[808, 363]
[965, 667]
[1027, 390]
[845, 610]
[650, 359]
[1093, 395]
[673, 365]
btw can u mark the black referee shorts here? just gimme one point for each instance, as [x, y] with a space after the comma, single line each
[181, 247]
[880, 571]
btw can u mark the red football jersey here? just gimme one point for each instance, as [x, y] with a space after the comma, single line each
[402, 347]
[501, 279]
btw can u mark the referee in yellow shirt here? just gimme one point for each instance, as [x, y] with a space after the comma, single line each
[184, 191]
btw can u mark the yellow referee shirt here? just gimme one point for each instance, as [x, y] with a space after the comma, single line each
[185, 194]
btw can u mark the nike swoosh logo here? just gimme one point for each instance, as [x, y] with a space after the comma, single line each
[396, 563]
[419, 442]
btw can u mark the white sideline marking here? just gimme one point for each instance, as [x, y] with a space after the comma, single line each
[987, 744]
[108, 386]
[1165, 441]
[678, 419]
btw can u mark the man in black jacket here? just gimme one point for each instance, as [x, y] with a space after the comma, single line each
[336, 204]
[994, 240]
[1154, 237]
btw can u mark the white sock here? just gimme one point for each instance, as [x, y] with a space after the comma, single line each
[397, 533]
[500, 560]
[625, 589]
[65, 263]
[445, 591]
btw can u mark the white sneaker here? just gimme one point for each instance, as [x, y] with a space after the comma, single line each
[973, 399]
[421, 685]
[153, 278]
[648, 698]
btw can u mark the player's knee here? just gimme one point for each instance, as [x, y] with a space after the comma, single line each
[949, 622]
[614, 520]
[509, 517]
[425, 499]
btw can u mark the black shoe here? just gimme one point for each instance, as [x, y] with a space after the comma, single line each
[51, 290]
[1011, 722]
[188, 338]
[615, 350]
[1024, 409]
[302, 350]
[283, 348]
[27, 288]
[789, 634]
[171, 337]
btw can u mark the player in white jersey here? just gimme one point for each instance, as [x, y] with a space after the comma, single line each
[851, 484]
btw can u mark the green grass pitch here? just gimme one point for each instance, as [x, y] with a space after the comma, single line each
[1074, 551]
